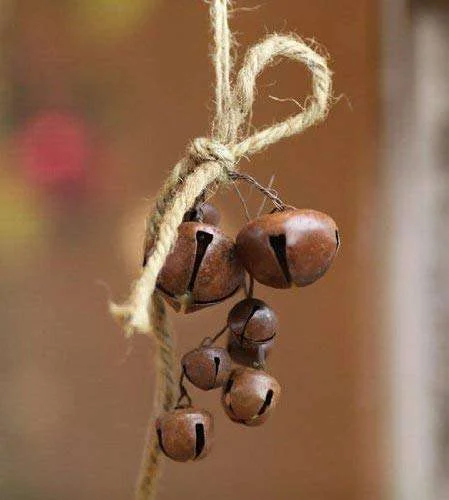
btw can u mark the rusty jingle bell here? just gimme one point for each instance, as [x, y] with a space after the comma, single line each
[185, 434]
[250, 396]
[253, 325]
[251, 355]
[207, 367]
[202, 270]
[288, 247]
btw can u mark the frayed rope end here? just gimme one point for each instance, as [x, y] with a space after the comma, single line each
[133, 321]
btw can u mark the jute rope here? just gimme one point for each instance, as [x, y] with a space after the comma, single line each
[165, 398]
[207, 164]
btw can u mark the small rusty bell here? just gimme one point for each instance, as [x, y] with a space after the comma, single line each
[288, 247]
[253, 325]
[202, 270]
[253, 355]
[252, 322]
[206, 212]
[185, 434]
[250, 396]
[207, 367]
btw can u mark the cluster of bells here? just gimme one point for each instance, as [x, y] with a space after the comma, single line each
[280, 249]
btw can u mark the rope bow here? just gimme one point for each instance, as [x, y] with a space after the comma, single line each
[209, 161]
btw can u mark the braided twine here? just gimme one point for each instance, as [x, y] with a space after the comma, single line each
[207, 164]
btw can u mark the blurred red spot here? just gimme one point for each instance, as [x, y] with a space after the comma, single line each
[54, 149]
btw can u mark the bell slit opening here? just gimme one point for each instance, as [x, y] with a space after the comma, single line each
[203, 240]
[217, 367]
[255, 308]
[279, 245]
[200, 439]
[266, 403]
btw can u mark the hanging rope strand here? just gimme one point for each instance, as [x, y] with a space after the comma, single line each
[209, 163]
[222, 62]
[165, 397]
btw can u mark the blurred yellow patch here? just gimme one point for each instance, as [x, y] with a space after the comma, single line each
[21, 222]
[111, 19]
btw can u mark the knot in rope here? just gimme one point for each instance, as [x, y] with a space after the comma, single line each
[202, 150]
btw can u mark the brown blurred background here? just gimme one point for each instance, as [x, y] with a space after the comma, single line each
[98, 101]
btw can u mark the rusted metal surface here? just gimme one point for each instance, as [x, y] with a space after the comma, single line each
[203, 268]
[207, 367]
[250, 396]
[185, 434]
[289, 247]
